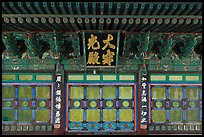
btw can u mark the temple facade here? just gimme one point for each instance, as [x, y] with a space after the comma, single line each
[76, 68]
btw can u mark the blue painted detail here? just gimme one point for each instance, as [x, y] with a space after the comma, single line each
[85, 92]
[101, 115]
[101, 104]
[16, 92]
[133, 103]
[184, 103]
[109, 126]
[16, 115]
[33, 114]
[167, 103]
[183, 92]
[201, 104]
[184, 115]
[33, 103]
[84, 115]
[34, 93]
[201, 115]
[76, 126]
[101, 93]
[117, 115]
[117, 92]
[117, 103]
[92, 126]
[68, 115]
[68, 103]
[16, 103]
[167, 114]
[133, 114]
[200, 91]
[167, 92]
[126, 126]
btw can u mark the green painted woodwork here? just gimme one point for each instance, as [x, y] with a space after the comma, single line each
[109, 103]
[125, 115]
[125, 92]
[43, 92]
[42, 115]
[8, 115]
[24, 115]
[76, 115]
[175, 115]
[76, 103]
[76, 92]
[126, 104]
[24, 92]
[109, 115]
[92, 115]
[158, 93]
[192, 93]
[8, 92]
[159, 104]
[42, 104]
[193, 115]
[93, 92]
[160, 113]
[93, 104]
[109, 92]
[24, 103]
[196, 78]
[175, 93]
[27, 77]
[176, 104]
[7, 103]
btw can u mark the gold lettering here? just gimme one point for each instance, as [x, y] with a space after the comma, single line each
[107, 42]
[92, 41]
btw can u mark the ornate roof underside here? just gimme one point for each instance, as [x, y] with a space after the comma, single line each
[177, 17]
[43, 33]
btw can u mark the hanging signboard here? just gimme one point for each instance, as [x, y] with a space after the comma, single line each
[100, 49]
[143, 102]
[58, 100]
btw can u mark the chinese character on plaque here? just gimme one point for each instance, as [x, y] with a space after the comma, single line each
[101, 48]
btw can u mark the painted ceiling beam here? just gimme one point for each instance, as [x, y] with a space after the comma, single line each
[77, 4]
[45, 6]
[11, 5]
[156, 11]
[127, 5]
[22, 8]
[134, 9]
[142, 7]
[118, 8]
[102, 16]
[70, 8]
[29, 6]
[101, 8]
[87, 23]
[38, 7]
[93, 23]
[86, 6]
[67, 24]
[62, 7]
[130, 23]
[101, 24]
[166, 7]
[108, 22]
[151, 5]
[172, 9]
[110, 6]
[94, 8]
